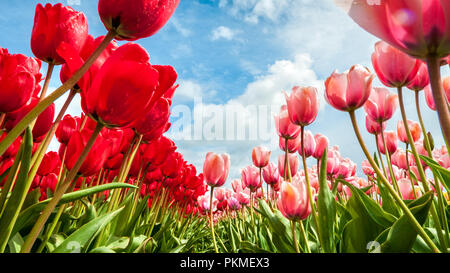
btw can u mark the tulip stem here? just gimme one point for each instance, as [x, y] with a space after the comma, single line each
[40, 107]
[294, 236]
[437, 185]
[423, 178]
[211, 220]
[305, 238]
[50, 68]
[308, 184]
[31, 238]
[440, 100]
[287, 168]
[388, 160]
[394, 194]
[379, 155]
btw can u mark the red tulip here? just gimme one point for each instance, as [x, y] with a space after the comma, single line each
[250, 178]
[393, 67]
[321, 144]
[54, 25]
[157, 151]
[118, 97]
[171, 166]
[414, 127]
[293, 202]
[19, 80]
[156, 118]
[422, 78]
[260, 156]
[43, 122]
[381, 104]
[417, 27]
[67, 127]
[68, 53]
[391, 142]
[285, 128]
[137, 19]
[374, 127]
[96, 157]
[216, 168]
[303, 105]
[350, 90]
[50, 164]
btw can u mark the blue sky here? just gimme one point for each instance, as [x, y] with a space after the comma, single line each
[235, 53]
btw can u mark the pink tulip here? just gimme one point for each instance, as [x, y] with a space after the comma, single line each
[260, 156]
[374, 127]
[203, 203]
[429, 98]
[393, 67]
[216, 168]
[219, 194]
[391, 142]
[446, 85]
[285, 128]
[237, 186]
[292, 144]
[303, 105]
[293, 201]
[367, 168]
[310, 145]
[233, 204]
[421, 80]
[399, 159]
[350, 90]
[406, 189]
[414, 127]
[381, 104]
[321, 144]
[417, 27]
[250, 178]
[293, 164]
[270, 174]
[333, 161]
[243, 197]
[347, 168]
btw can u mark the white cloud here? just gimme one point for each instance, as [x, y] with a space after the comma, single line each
[223, 32]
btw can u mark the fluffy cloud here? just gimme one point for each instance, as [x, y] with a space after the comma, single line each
[223, 32]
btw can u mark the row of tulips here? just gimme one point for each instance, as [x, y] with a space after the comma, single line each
[117, 184]
[334, 208]
[114, 156]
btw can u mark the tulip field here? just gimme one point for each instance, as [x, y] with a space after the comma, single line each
[119, 184]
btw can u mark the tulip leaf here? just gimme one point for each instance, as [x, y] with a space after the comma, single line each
[380, 216]
[86, 234]
[443, 172]
[19, 192]
[102, 250]
[402, 235]
[143, 204]
[30, 215]
[326, 205]
[361, 230]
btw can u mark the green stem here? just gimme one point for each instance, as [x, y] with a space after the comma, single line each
[388, 160]
[379, 155]
[31, 238]
[391, 190]
[211, 220]
[294, 236]
[50, 68]
[423, 177]
[440, 100]
[305, 238]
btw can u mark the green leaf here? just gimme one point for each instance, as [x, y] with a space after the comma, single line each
[30, 215]
[15, 244]
[102, 250]
[436, 168]
[359, 231]
[19, 192]
[402, 235]
[86, 234]
[143, 205]
[377, 214]
[326, 205]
